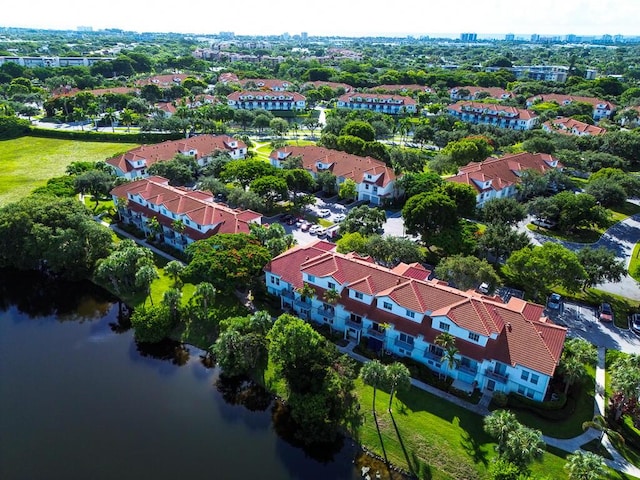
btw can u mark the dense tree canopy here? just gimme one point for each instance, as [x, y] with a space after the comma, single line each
[53, 234]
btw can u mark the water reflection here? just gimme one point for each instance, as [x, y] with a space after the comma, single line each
[37, 295]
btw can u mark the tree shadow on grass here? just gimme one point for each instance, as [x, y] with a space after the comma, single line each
[474, 449]
[404, 450]
[384, 451]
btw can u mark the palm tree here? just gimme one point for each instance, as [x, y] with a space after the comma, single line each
[572, 370]
[600, 423]
[500, 424]
[585, 466]
[154, 226]
[374, 373]
[174, 268]
[448, 342]
[171, 299]
[306, 291]
[121, 205]
[144, 278]
[331, 296]
[399, 378]
[127, 117]
[110, 116]
[205, 294]
[524, 445]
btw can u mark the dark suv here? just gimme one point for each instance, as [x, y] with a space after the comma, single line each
[605, 313]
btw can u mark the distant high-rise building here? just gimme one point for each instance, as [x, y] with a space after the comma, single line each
[535, 37]
[304, 36]
[468, 37]
[618, 38]
[286, 36]
[84, 29]
[509, 37]
[607, 38]
[227, 34]
[571, 38]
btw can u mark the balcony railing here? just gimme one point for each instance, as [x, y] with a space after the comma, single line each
[499, 377]
[468, 370]
[375, 333]
[403, 345]
[351, 324]
[287, 293]
[432, 356]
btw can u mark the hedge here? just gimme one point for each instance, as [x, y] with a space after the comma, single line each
[554, 410]
[13, 127]
[91, 136]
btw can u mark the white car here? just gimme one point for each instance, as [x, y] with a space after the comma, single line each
[339, 217]
[634, 322]
[324, 212]
[315, 229]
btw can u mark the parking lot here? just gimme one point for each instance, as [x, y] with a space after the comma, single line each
[582, 322]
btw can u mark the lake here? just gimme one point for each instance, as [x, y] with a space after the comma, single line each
[79, 399]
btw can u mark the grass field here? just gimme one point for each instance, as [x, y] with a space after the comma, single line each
[28, 162]
[634, 266]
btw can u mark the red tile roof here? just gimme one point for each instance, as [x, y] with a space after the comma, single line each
[205, 145]
[494, 109]
[196, 206]
[228, 77]
[341, 164]
[369, 97]
[518, 334]
[502, 171]
[565, 99]
[571, 126]
[266, 96]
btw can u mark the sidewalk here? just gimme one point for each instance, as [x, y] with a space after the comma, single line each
[570, 445]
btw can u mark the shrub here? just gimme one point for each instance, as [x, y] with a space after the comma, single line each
[13, 127]
[499, 399]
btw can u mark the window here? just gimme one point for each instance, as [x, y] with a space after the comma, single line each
[534, 378]
[311, 278]
[524, 375]
[521, 390]
[530, 393]
[387, 306]
[444, 326]
[411, 314]
[406, 338]
[474, 337]
[358, 295]
[275, 280]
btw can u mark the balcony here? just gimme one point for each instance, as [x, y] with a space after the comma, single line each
[408, 347]
[370, 332]
[498, 377]
[468, 370]
[351, 324]
[432, 356]
[287, 294]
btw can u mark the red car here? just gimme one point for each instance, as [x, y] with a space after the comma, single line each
[605, 313]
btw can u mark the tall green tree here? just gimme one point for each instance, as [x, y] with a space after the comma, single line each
[503, 211]
[374, 373]
[467, 272]
[399, 379]
[600, 265]
[428, 214]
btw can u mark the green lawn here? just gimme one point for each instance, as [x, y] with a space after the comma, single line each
[634, 265]
[582, 404]
[28, 162]
[440, 440]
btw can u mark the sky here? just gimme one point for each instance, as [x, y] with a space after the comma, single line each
[336, 17]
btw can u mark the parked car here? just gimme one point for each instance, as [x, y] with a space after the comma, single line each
[305, 226]
[554, 302]
[324, 212]
[605, 313]
[285, 217]
[321, 232]
[634, 322]
[339, 217]
[314, 229]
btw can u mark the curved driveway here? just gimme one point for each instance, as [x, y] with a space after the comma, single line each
[621, 238]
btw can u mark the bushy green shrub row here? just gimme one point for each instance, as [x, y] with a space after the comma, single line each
[553, 410]
[91, 136]
[13, 127]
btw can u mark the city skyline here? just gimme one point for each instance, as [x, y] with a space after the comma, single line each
[333, 18]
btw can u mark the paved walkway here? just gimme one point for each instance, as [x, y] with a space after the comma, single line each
[570, 445]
